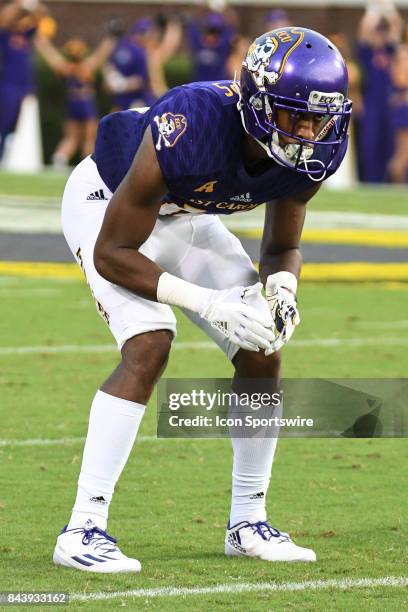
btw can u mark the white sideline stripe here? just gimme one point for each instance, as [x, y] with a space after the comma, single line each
[245, 587]
[208, 346]
[37, 214]
[64, 441]
[324, 220]
[89, 348]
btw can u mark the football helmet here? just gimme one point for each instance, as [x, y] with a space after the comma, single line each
[299, 71]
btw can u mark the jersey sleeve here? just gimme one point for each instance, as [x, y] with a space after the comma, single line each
[186, 128]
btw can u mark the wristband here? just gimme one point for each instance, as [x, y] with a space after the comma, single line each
[284, 279]
[178, 292]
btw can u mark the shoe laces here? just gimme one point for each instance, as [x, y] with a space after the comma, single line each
[98, 538]
[266, 531]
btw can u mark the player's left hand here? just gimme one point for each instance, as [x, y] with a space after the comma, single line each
[280, 291]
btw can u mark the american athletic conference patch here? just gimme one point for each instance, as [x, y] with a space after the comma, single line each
[170, 127]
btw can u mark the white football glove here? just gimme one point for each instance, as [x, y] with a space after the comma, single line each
[242, 315]
[280, 290]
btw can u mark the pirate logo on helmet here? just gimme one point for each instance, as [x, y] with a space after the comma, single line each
[260, 54]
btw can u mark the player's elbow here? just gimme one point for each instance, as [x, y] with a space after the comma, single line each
[103, 259]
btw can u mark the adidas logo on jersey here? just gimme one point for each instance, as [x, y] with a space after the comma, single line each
[97, 195]
[244, 197]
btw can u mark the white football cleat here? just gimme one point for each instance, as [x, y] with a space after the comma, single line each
[264, 542]
[91, 549]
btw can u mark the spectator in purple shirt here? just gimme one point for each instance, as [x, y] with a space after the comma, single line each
[126, 74]
[379, 33]
[134, 74]
[18, 26]
[211, 44]
[398, 110]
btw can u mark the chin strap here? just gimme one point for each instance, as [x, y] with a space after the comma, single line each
[305, 161]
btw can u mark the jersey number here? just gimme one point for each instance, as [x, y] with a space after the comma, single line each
[229, 90]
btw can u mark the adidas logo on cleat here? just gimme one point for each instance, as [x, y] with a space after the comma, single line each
[233, 540]
[97, 195]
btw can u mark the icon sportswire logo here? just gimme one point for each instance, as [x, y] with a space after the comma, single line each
[97, 195]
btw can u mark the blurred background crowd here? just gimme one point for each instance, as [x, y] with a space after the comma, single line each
[70, 80]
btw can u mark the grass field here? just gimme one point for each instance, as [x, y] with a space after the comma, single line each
[373, 199]
[344, 498]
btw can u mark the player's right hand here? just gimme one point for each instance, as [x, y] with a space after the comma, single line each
[242, 314]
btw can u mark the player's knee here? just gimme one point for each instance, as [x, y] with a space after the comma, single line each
[145, 356]
[256, 365]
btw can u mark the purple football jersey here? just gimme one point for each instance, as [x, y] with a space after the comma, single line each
[198, 136]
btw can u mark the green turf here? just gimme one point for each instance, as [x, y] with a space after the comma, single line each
[368, 199]
[49, 184]
[346, 498]
[365, 199]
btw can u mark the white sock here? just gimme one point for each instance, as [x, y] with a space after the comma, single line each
[112, 430]
[251, 473]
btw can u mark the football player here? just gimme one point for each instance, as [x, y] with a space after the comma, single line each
[141, 218]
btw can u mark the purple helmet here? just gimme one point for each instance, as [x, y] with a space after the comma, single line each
[299, 71]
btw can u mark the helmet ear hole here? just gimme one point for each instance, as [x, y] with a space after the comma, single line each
[308, 45]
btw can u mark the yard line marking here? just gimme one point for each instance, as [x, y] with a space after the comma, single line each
[78, 440]
[245, 587]
[91, 348]
[32, 292]
[207, 346]
[65, 441]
